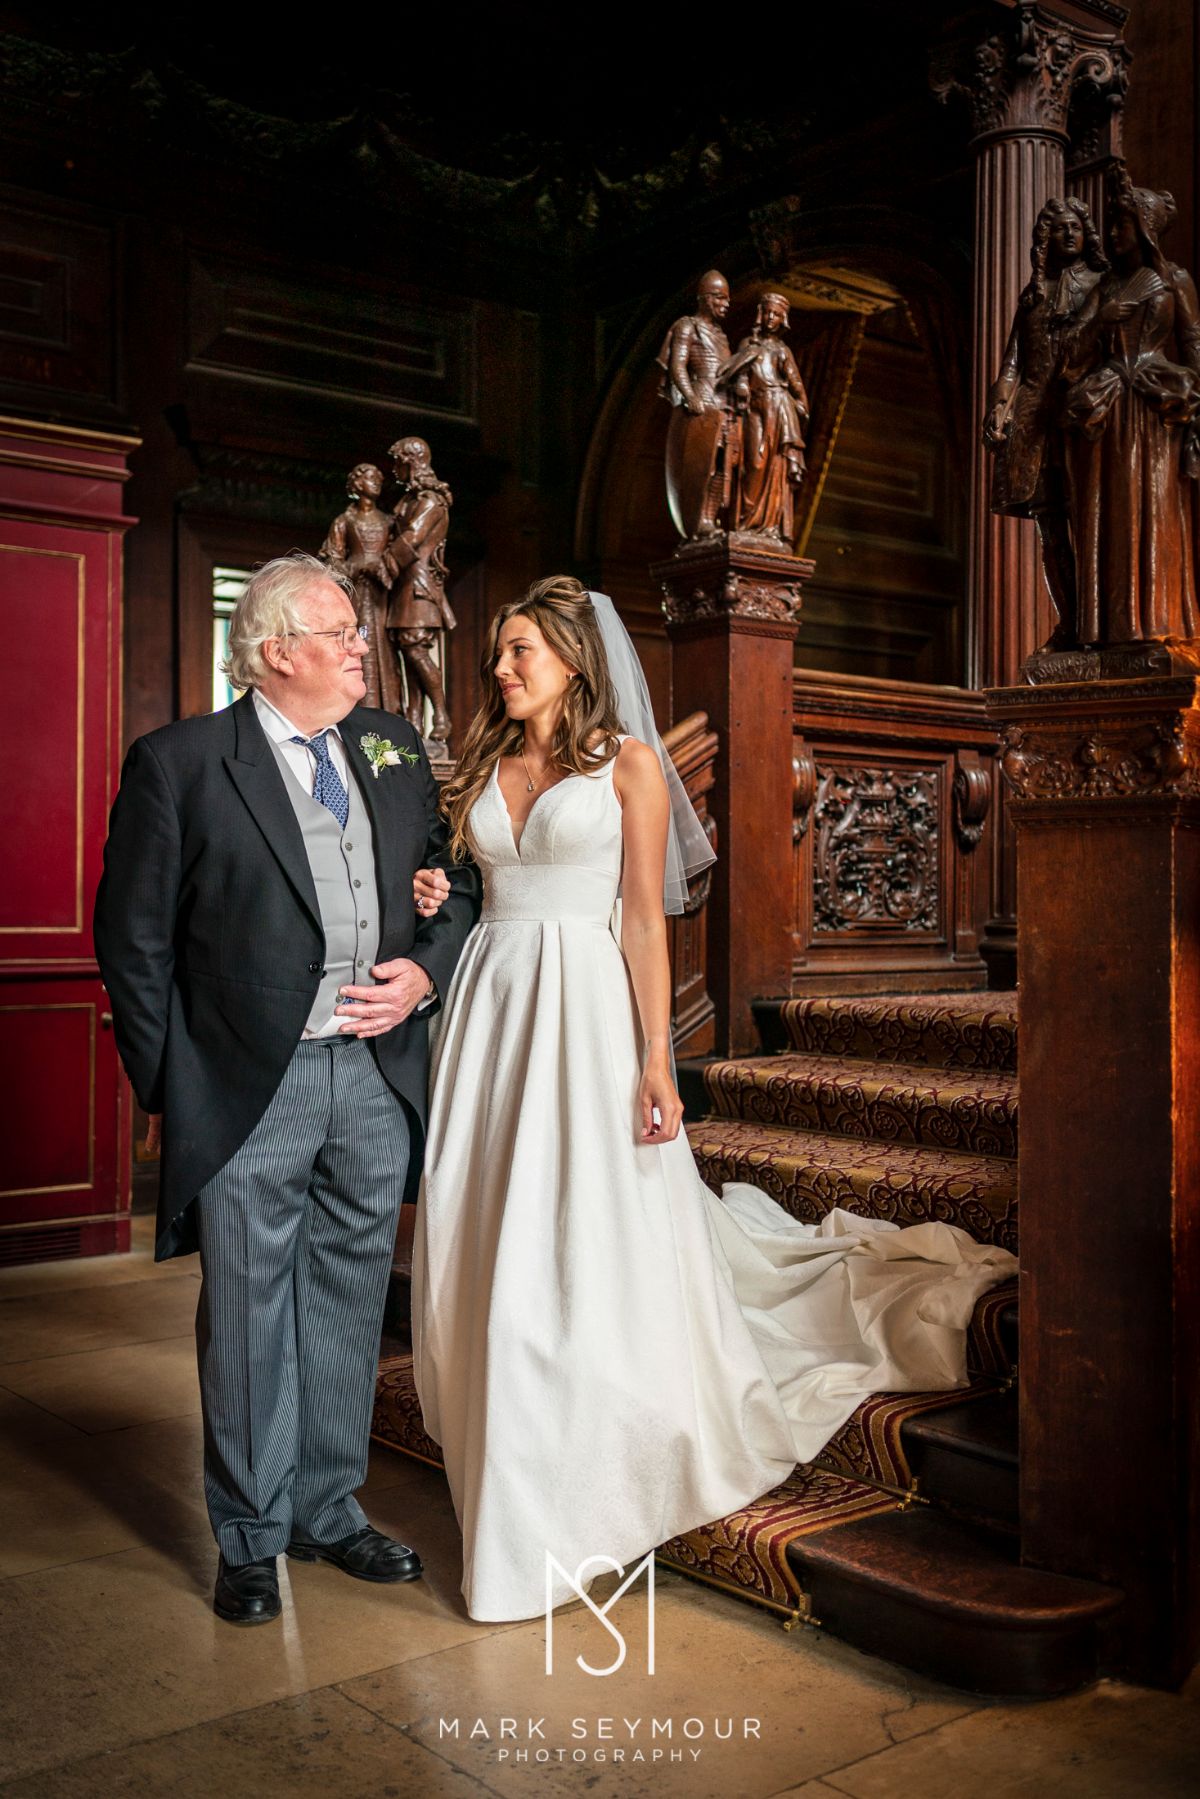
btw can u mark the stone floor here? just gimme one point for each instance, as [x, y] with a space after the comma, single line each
[118, 1679]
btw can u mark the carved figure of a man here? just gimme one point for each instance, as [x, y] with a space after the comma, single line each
[1021, 426]
[771, 407]
[419, 611]
[356, 546]
[693, 352]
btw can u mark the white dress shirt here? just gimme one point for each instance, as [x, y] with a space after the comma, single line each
[300, 759]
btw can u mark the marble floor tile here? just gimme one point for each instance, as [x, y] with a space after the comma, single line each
[717, 1665]
[78, 1496]
[84, 1318]
[317, 1746]
[126, 1647]
[1111, 1742]
[111, 1389]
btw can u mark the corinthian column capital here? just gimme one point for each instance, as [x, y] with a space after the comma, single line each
[1021, 77]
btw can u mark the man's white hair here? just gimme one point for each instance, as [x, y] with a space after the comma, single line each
[270, 607]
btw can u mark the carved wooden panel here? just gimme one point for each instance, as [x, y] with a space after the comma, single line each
[56, 307]
[876, 848]
[892, 798]
[268, 329]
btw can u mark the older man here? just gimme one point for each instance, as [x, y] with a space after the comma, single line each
[257, 933]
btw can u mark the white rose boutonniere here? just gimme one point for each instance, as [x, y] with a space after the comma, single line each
[382, 753]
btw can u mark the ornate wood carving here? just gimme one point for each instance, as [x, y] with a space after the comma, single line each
[1085, 745]
[732, 577]
[972, 797]
[875, 856]
[1022, 79]
[1019, 83]
[891, 889]
[804, 791]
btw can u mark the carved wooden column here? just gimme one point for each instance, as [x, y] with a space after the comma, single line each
[1105, 785]
[732, 606]
[1019, 82]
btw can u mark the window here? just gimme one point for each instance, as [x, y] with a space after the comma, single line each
[228, 586]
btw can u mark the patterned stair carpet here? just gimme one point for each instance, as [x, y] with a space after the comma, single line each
[809, 1173]
[933, 1030]
[891, 1102]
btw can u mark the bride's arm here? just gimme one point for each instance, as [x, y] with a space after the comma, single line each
[644, 812]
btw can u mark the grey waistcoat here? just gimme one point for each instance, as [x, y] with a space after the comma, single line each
[343, 872]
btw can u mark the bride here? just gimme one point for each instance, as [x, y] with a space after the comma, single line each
[608, 1354]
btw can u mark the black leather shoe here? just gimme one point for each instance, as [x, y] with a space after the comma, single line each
[367, 1554]
[248, 1594]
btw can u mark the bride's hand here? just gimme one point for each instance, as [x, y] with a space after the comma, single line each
[657, 1094]
[430, 888]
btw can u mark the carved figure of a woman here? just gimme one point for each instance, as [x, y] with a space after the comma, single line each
[1021, 424]
[772, 408]
[1130, 449]
[356, 546]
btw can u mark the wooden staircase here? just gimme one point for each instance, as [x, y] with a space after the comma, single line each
[904, 1108]
[903, 1537]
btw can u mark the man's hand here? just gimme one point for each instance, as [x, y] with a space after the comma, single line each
[430, 887]
[375, 1010]
[153, 1143]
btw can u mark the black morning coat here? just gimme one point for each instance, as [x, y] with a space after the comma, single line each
[209, 937]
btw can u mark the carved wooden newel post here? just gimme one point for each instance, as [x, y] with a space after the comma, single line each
[1105, 794]
[732, 613]
[1102, 756]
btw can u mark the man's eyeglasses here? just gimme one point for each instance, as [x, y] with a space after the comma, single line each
[345, 635]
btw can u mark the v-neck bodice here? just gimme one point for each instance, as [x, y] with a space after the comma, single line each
[567, 864]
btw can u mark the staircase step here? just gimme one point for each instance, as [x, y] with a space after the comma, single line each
[933, 1030]
[881, 1443]
[993, 1339]
[809, 1174]
[895, 1102]
[948, 1598]
[964, 1457]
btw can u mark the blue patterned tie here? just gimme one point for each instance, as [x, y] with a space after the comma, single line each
[327, 788]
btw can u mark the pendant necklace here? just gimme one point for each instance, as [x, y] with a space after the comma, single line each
[530, 784]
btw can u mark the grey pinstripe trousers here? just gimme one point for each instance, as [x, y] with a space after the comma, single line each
[296, 1239]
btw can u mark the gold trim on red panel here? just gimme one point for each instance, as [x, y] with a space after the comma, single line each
[67, 1186]
[13, 427]
[76, 556]
[95, 471]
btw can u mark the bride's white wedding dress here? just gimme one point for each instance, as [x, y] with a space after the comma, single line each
[607, 1353]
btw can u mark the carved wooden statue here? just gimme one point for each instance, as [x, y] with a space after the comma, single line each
[357, 546]
[693, 353]
[770, 410]
[419, 614]
[1128, 411]
[1021, 427]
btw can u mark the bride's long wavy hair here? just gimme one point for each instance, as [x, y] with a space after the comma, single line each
[587, 734]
